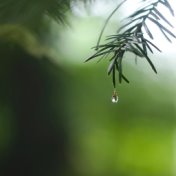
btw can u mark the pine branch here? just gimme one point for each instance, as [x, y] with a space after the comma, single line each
[130, 38]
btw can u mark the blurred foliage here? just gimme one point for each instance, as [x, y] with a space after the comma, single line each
[31, 12]
[24, 38]
[59, 119]
[28, 23]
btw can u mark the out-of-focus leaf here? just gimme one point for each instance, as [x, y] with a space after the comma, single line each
[24, 38]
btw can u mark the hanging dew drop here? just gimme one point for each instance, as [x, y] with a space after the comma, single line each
[115, 98]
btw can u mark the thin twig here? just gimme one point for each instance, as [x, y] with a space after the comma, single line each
[106, 22]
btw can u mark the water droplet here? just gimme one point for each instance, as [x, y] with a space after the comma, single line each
[115, 98]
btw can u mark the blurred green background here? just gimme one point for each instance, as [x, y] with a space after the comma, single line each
[56, 114]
